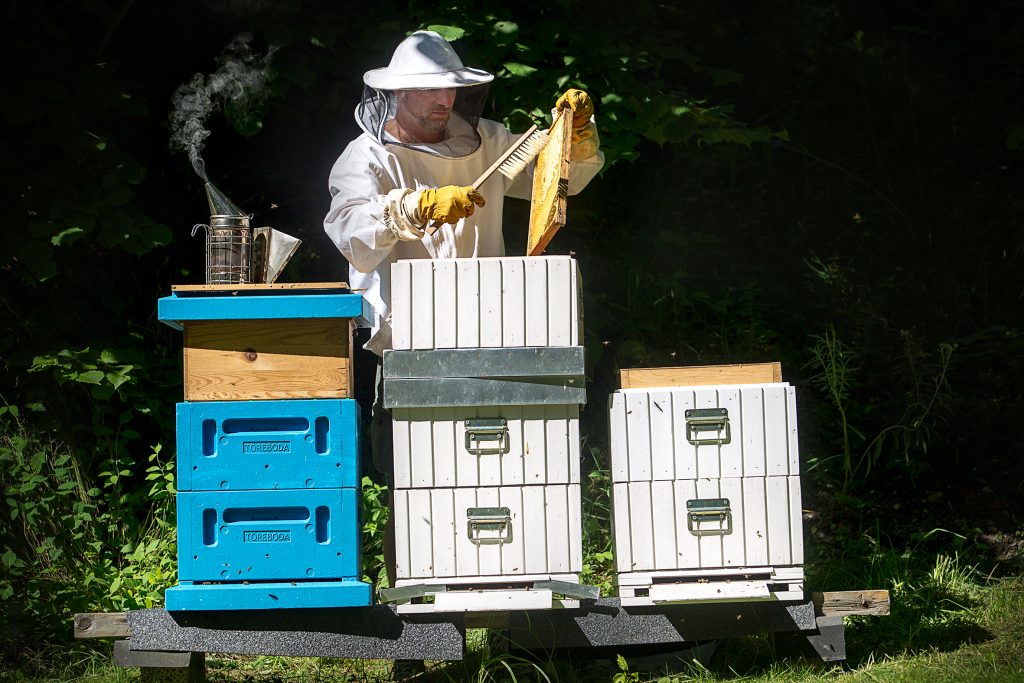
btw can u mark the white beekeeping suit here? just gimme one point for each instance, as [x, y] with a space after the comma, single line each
[377, 181]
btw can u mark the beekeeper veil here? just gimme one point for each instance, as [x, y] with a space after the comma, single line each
[426, 61]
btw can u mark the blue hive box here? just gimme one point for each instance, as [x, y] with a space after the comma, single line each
[187, 597]
[268, 535]
[290, 444]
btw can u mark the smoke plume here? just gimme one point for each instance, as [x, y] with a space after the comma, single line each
[240, 79]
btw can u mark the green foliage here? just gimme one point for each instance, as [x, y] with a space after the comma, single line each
[490, 660]
[925, 407]
[624, 675]
[949, 622]
[937, 599]
[658, 314]
[538, 53]
[1015, 138]
[78, 542]
[87, 519]
[62, 222]
[833, 373]
[100, 370]
[598, 559]
[905, 441]
[936, 605]
[375, 518]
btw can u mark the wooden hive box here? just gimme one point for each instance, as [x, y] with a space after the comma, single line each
[262, 342]
[700, 375]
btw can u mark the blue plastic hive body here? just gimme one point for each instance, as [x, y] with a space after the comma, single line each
[269, 595]
[291, 444]
[181, 307]
[268, 535]
[268, 502]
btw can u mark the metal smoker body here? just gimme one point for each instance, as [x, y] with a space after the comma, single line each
[237, 253]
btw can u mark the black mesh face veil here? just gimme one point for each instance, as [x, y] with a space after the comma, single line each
[377, 107]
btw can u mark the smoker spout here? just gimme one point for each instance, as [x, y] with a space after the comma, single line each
[220, 205]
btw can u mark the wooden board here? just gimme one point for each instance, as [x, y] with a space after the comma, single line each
[101, 625]
[239, 360]
[873, 603]
[287, 286]
[550, 185]
[700, 375]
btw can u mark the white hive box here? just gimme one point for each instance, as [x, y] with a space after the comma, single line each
[706, 487]
[654, 530]
[514, 532]
[486, 303]
[649, 436]
[486, 446]
[484, 384]
[487, 491]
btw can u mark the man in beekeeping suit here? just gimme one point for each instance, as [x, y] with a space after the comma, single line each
[423, 144]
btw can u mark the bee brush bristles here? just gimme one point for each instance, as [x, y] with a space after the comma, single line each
[511, 163]
[525, 152]
[517, 157]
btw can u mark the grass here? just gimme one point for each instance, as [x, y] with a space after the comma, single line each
[948, 623]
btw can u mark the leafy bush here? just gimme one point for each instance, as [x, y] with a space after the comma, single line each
[535, 56]
[598, 558]
[77, 542]
[375, 518]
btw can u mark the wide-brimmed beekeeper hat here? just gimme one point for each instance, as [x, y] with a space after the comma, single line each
[425, 61]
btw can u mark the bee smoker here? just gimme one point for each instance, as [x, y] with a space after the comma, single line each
[236, 253]
[229, 242]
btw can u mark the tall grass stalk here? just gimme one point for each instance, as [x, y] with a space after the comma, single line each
[926, 393]
[925, 398]
[833, 372]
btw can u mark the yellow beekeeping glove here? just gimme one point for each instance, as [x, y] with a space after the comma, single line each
[580, 103]
[448, 204]
[585, 142]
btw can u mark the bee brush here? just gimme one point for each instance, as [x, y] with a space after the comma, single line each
[511, 163]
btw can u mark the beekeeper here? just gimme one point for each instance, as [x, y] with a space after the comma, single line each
[423, 144]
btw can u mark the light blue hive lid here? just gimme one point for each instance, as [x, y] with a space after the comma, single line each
[188, 303]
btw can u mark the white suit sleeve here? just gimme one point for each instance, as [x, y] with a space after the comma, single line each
[356, 221]
[581, 172]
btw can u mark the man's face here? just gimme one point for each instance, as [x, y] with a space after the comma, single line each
[427, 110]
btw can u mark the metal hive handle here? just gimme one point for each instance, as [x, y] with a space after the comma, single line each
[703, 420]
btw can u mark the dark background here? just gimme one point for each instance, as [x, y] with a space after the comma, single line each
[834, 185]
